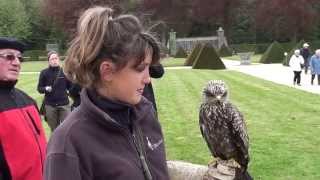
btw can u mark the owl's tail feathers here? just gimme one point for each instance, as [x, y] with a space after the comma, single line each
[242, 174]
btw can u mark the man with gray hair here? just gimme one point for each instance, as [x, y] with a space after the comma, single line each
[315, 66]
[22, 137]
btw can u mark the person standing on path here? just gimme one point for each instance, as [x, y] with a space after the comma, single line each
[315, 66]
[296, 63]
[305, 53]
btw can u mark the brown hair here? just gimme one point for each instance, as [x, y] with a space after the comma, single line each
[99, 37]
[52, 52]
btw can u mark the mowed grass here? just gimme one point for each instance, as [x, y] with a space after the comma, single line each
[171, 62]
[33, 66]
[283, 123]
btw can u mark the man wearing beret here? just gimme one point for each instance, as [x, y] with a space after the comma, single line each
[22, 138]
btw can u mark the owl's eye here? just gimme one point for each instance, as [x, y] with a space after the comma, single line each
[208, 94]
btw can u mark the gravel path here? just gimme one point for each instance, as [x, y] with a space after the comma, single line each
[276, 73]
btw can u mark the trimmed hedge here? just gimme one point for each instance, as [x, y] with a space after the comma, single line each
[261, 48]
[225, 51]
[193, 55]
[288, 46]
[314, 45]
[181, 53]
[285, 61]
[208, 59]
[274, 54]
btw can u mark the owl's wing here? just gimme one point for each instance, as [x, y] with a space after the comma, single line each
[203, 123]
[239, 131]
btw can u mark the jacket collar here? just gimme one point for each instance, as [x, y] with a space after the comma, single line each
[139, 111]
[7, 85]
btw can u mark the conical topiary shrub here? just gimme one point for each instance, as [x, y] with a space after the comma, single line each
[274, 54]
[224, 51]
[285, 61]
[208, 59]
[193, 55]
[181, 53]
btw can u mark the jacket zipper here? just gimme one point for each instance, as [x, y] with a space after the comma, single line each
[142, 157]
[135, 145]
[139, 145]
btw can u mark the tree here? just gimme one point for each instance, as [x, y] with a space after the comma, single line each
[176, 14]
[66, 14]
[14, 20]
[40, 28]
[286, 19]
[216, 11]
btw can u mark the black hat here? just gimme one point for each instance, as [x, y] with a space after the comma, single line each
[11, 43]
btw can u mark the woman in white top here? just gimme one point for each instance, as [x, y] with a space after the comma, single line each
[296, 63]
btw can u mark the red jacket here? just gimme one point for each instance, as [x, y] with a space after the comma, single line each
[22, 138]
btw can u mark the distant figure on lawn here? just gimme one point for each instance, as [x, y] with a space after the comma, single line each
[315, 66]
[306, 54]
[54, 85]
[22, 137]
[296, 62]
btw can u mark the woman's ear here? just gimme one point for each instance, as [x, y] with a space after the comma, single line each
[107, 69]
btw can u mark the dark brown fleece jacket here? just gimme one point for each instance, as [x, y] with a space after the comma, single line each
[90, 145]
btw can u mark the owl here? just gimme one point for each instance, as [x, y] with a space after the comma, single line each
[223, 127]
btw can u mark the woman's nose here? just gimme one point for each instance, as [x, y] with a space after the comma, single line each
[147, 80]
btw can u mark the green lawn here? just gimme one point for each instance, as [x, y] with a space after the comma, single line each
[170, 62]
[33, 66]
[283, 122]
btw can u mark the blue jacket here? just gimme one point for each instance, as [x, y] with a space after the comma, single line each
[315, 64]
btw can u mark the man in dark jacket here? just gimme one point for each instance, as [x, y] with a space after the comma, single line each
[22, 138]
[306, 54]
[155, 71]
[74, 93]
[55, 86]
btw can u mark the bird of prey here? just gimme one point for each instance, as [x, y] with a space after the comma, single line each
[223, 128]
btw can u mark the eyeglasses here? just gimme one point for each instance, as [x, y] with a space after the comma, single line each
[11, 57]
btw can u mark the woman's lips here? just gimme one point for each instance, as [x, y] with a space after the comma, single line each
[140, 91]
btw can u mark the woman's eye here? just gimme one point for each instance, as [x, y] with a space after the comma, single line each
[141, 67]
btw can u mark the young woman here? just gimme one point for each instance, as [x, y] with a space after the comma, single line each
[114, 133]
[54, 85]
